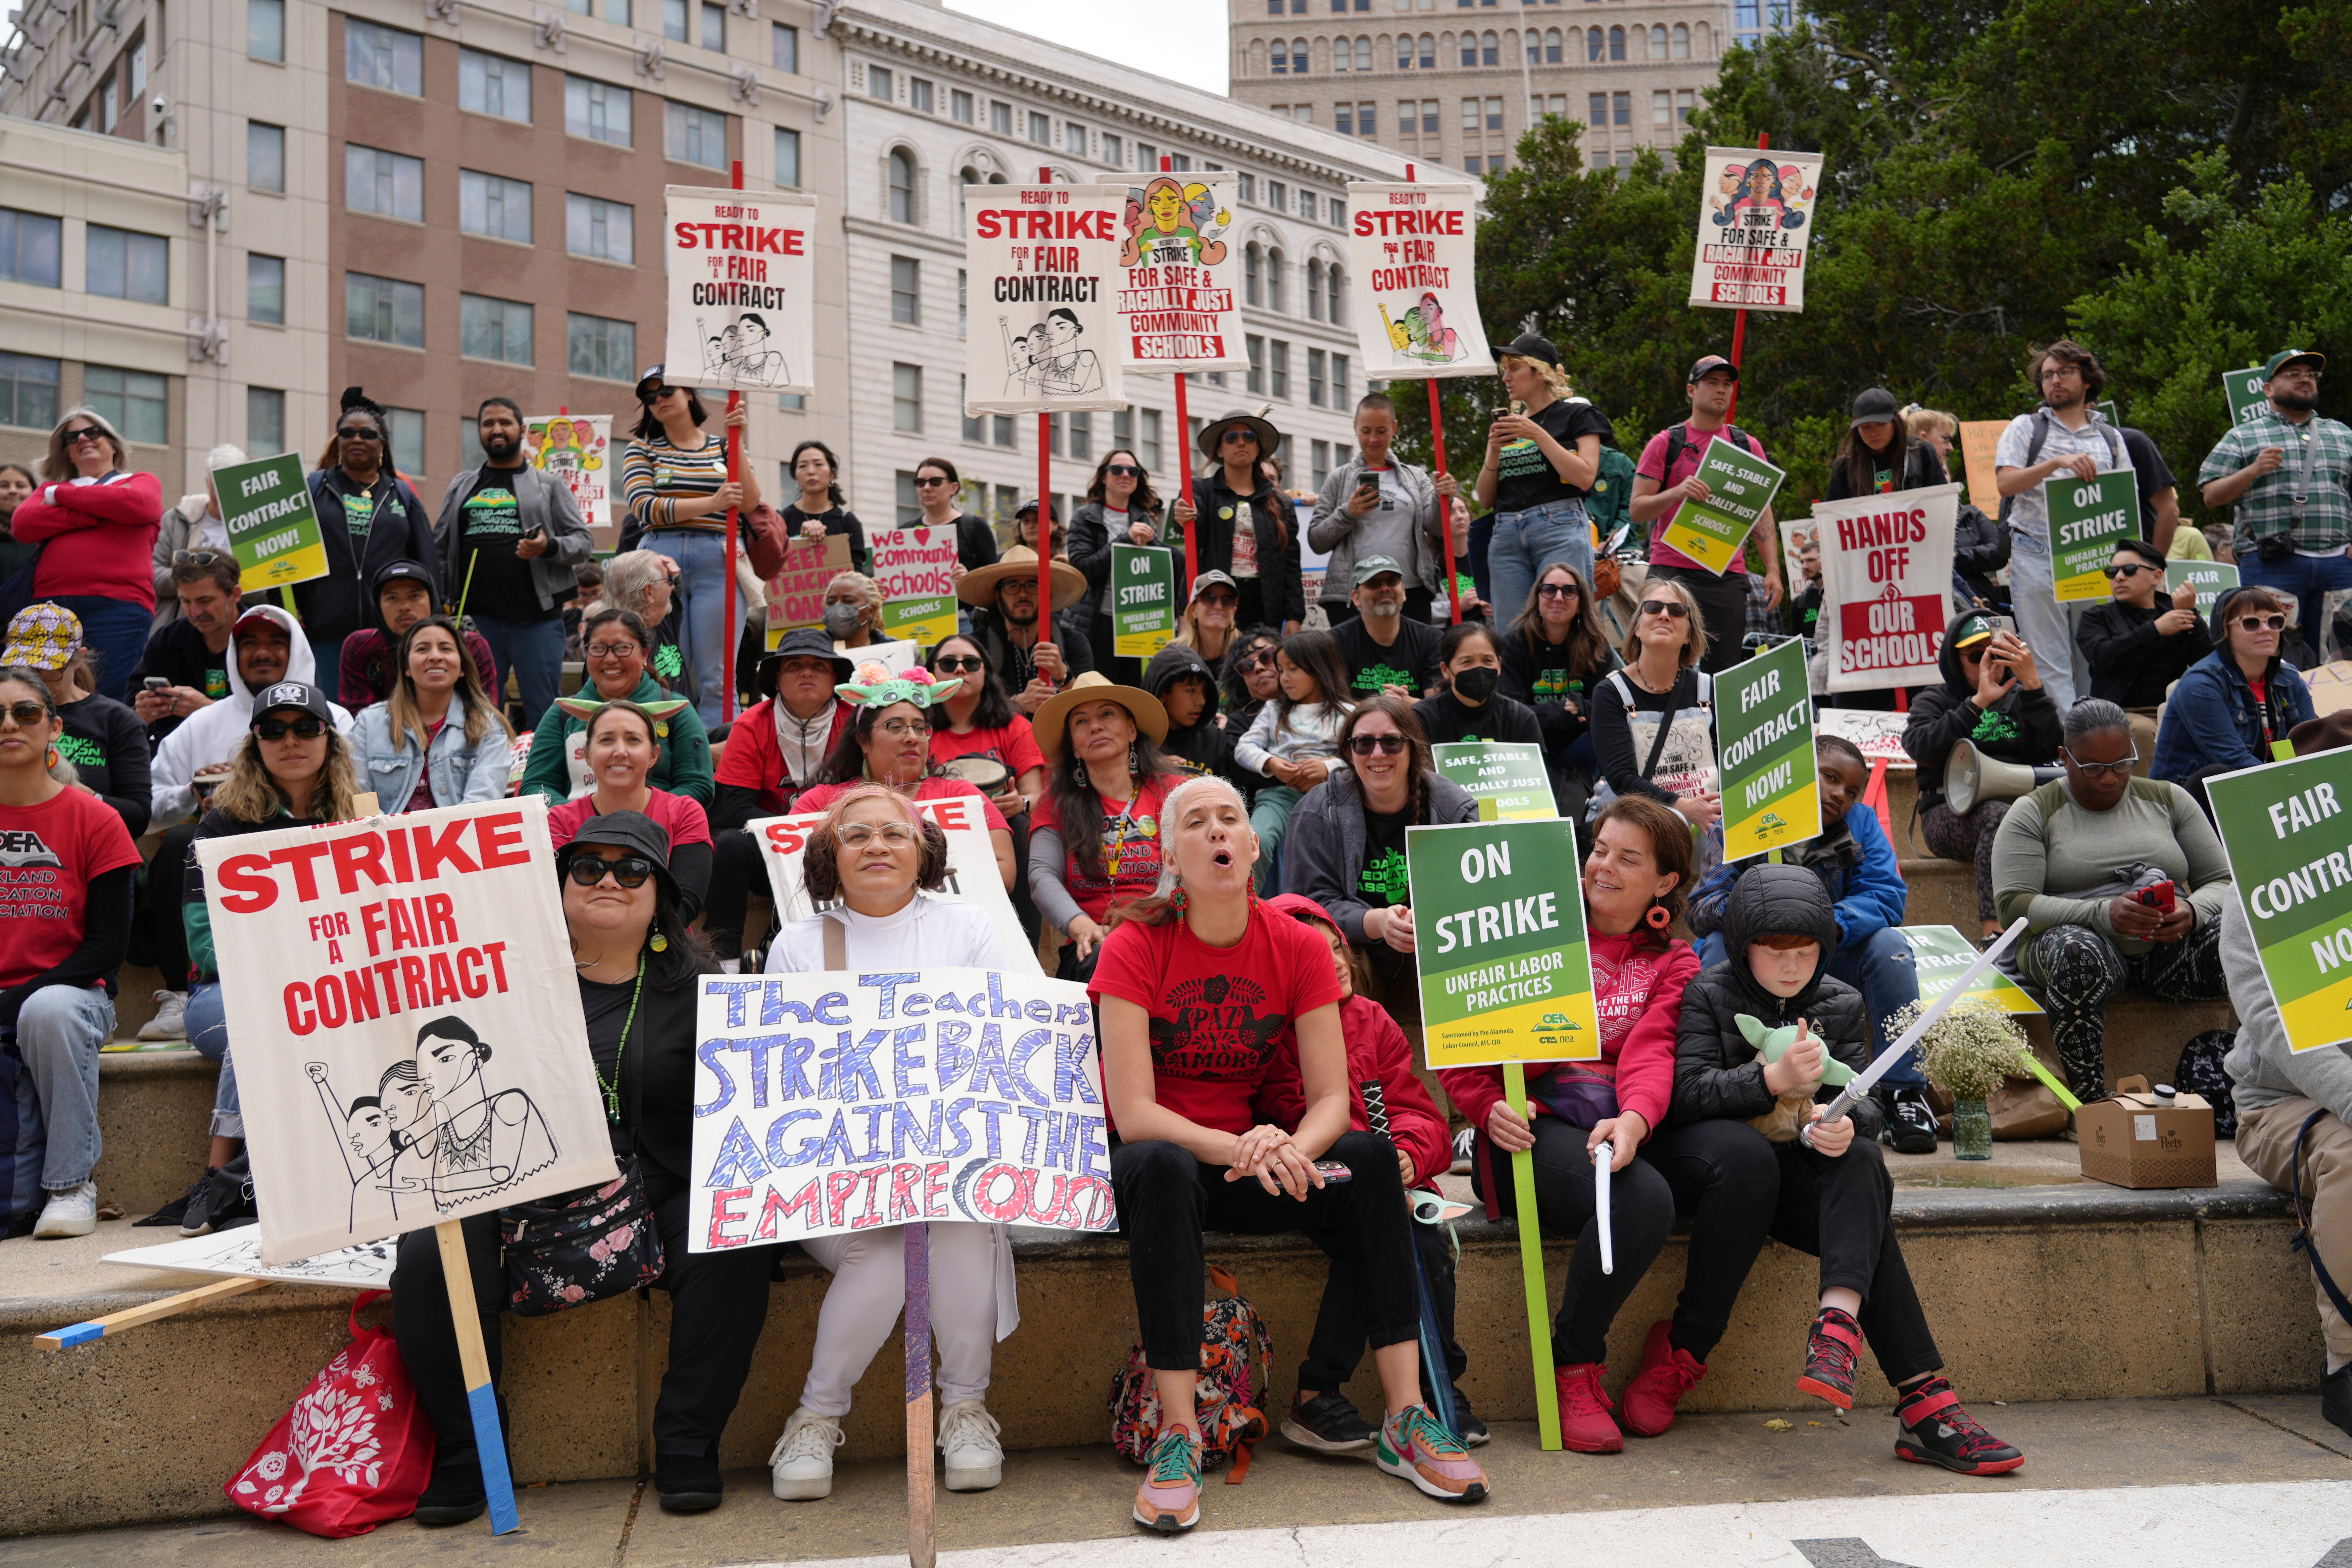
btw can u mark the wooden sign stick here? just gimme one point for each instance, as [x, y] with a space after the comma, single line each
[130, 1317]
[922, 1524]
[474, 1363]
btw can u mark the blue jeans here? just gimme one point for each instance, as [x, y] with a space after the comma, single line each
[115, 632]
[1881, 967]
[1525, 543]
[533, 650]
[2047, 627]
[208, 1032]
[59, 1031]
[2305, 579]
[704, 637]
[1270, 820]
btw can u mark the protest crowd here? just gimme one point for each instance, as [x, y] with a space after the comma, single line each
[1211, 835]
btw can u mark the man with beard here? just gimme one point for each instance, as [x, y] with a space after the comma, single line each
[1003, 601]
[1386, 649]
[2287, 472]
[510, 536]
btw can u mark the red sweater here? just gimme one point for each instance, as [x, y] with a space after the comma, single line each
[1638, 991]
[1377, 1049]
[103, 534]
[754, 761]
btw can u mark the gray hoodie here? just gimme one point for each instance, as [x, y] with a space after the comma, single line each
[2261, 1068]
[1323, 852]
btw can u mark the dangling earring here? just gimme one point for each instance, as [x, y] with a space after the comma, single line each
[1078, 771]
[52, 761]
[1180, 900]
[660, 943]
[1134, 758]
[1659, 919]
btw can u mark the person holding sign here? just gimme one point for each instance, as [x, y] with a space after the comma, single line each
[97, 520]
[616, 643]
[1097, 834]
[1469, 708]
[438, 739]
[674, 479]
[821, 509]
[2287, 472]
[623, 745]
[1553, 657]
[1241, 524]
[2135, 647]
[1542, 455]
[2123, 880]
[1667, 476]
[1652, 729]
[1118, 509]
[1200, 989]
[2235, 706]
[879, 858]
[637, 969]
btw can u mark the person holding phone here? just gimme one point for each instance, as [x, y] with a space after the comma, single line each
[1377, 506]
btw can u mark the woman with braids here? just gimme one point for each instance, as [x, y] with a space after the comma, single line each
[1097, 833]
[369, 519]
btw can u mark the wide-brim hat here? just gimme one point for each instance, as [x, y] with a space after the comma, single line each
[804, 642]
[978, 587]
[2325, 733]
[1051, 724]
[1213, 436]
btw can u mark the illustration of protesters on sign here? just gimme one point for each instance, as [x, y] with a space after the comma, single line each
[755, 360]
[434, 1127]
[1169, 222]
[566, 447]
[1046, 359]
[1422, 334]
[1758, 195]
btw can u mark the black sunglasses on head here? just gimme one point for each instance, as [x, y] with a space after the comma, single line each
[629, 870]
[305, 727]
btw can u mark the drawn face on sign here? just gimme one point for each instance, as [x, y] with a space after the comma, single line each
[368, 1134]
[403, 1098]
[448, 1066]
[1167, 205]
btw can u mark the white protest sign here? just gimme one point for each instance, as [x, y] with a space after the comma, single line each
[837, 1102]
[410, 1046]
[1756, 212]
[1412, 261]
[1887, 585]
[1044, 269]
[1178, 292]
[973, 876]
[237, 1255]
[577, 450]
[742, 274]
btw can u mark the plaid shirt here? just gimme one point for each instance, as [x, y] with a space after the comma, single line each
[2268, 505]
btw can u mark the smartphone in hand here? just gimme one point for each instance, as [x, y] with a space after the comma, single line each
[2156, 895]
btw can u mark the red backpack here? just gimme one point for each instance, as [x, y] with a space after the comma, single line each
[1232, 1414]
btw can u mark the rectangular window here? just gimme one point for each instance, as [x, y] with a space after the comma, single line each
[1279, 368]
[493, 206]
[960, 108]
[784, 46]
[1179, 162]
[1041, 129]
[1339, 380]
[920, 94]
[1123, 429]
[1364, 117]
[406, 433]
[126, 265]
[107, 112]
[597, 346]
[674, 16]
[1475, 163]
[265, 31]
[614, 11]
[1147, 440]
[28, 391]
[129, 400]
[792, 403]
[30, 248]
[910, 505]
[1003, 432]
[1321, 470]
[492, 84]
[1277, 195]
[598, 111]
[1146, 157]
[138, 68]
[264, 420]
[1494, 115]
[265, 156]
[377, 55]
[1409, 116]
[1007, 498]
[384, 310]
[1054, 433]
[906, 291]
[1621, 108]
[1429, 112]
[1343, 118]
[1000, 118]
[1597, 104]
[1470, 117]
[1661, 109]
[1256, 381]
[714, 26]
[1314, 383]
[1684, 101]
[963, 305]
[907, 398]
[602, 229]
[494, 329]
[1082, 440]
[788, 156]
[264, 288]
[691, 135]
[1247, 187]
[1114, 152]
[975, 425]
[879, 84]
[1073, 137]
[389, 184]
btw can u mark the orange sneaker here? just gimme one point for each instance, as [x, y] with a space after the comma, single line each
[1170, 1498]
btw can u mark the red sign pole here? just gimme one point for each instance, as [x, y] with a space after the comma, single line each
[1045, 488]
[1444, 506]
[1183, 414]
[1739, 318]
[734, 522]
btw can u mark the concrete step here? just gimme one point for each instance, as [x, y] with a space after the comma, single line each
[2040, 1285]
[154, 1113]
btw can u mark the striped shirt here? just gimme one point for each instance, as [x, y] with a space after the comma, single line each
[655, 473]
[2318, 468]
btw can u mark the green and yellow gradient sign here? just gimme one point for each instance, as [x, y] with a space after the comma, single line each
[2288, 833]
[1741, 487]
[1510, 779]
[1498, 934]
[2086, 518]
[273, 528]
[1764, 733]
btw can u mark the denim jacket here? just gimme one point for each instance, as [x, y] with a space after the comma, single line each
[462, 772]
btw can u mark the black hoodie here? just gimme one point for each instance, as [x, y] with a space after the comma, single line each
[1202, 747]
[2022, 727]
[1717, 1073]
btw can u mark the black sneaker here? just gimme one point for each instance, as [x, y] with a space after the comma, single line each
[176, 1211]
[688, 1483]
[1910, 1120]
[1473, 1431]
[454, 1495]
[1936, 1430]
[1328, 1424]
[2336, 1397]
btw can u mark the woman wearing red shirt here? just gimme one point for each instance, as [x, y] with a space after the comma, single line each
[1199, 990]
[890, 743]
[621, 751]
[97, 523]
[1098, 830]
[976, 719]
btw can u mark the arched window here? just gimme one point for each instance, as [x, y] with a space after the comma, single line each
[1335, 298]
[1616, 43]
[1363, 54]
[1340, 53]
[1314, 290]
[1658, 42]
[1469, 48]
[968, 175]
[1274, 281]
[1593, 44]
[902, 187]
[1551, 45]
[1253, 275]
[1298, 57]
[1404, 51]
[1682, 41]
[1428, 52]
[1490, 49]
[1702, 40]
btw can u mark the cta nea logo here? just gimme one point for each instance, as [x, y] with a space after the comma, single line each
[25, 849]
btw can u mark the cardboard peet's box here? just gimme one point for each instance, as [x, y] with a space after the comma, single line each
[2138, 1138]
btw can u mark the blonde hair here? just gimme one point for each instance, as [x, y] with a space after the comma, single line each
[1693, 646]
[1554, 377]
[1156, 908]
[59, 465]
[1919, 421]
[868, 589]
[252, 793]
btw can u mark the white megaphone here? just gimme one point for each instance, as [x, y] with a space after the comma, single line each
[1970, 777]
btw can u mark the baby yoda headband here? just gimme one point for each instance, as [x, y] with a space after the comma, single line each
[872, 686]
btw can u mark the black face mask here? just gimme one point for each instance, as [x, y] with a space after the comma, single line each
[1476, 683]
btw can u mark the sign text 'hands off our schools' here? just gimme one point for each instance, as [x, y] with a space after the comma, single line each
[1887, 585]
[1498, 937]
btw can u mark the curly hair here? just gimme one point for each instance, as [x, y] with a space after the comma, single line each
[1670, 848]
[251, 792]
[820, 866]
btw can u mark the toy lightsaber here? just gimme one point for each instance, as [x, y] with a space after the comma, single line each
[1862, 1081]
[1603, 1155]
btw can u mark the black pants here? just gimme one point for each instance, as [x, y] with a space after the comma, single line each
[718, 1303]
[1167, 1198]
[167, 884]
[737, 866]
[1641, 1216]
[1722, 604]
[1340, 1332]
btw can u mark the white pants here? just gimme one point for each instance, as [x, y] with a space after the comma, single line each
[2046, 626]
[869, 1291]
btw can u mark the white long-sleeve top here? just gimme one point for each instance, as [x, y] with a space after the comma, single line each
[1312, 733]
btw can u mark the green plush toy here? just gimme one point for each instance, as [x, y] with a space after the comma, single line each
[1772, 1043]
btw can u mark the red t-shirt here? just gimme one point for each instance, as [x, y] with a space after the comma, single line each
[1013, 744]
[1220, 1015]
[421, 799]
[752, 758]
[822, 795]
[678, 815]
[1653, 466]
[1130, 849]
[49, 854]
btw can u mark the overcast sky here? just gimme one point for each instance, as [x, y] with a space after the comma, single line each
[1184, 40]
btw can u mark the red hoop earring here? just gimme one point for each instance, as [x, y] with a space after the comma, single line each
[1658, 917]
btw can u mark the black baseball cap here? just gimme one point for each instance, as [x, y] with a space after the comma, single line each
[649, 381]
[1707, 363]
[622, 830]
[1877, 405]
[1534, 346]
[399, 569]
[297, 694]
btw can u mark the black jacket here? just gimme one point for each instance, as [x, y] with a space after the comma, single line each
[975, 543]
[2022, 727]
[841, 522]
[2131, 661]
[1209, 546]
[1090, 542]
[1203, 747]
[1069, 636]
[344, 601]
[1979, 549]
[1717, 1073]
[1921, 469]
[1443, 719]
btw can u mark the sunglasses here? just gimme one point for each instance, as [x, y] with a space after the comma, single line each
[1365, 746]
[1235, 437]
[1222, 601]
[198, 557]
[89, 433]
[1562, 591]
[959, 664]
[25, 714]
[1124, 471]
[2260, 622]
[1672, 609]
[357, 433]
[1259, 659]
[304, 729]
[2128, 569]
[931, 481]
[658, 392]
[610, 649]
[2095, 769]
[629, 870]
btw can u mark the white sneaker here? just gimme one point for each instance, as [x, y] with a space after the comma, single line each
[967, 1437]
[171, 1020]
[802, 1461]
[72, 1212]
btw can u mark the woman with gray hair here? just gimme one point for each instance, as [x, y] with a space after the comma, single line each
[644, 583]
[2121, 881]
[96, 521]
[188, 529]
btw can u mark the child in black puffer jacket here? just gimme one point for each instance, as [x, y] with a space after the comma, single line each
[1834, 1196]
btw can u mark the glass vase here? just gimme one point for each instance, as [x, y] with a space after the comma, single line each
[1971, 1130]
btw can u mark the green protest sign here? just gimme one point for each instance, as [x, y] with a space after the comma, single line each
[1498, 938]
[1143, 613]
[2109, 412]
[1741, 487]
[1764, 733]
[2211, 578]
[2086, 518]
[1511, 781]
[1940, 954]
[2244, 388]
[2285, 830]
[273, 528]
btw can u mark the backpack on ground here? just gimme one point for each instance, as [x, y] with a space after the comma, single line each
[23, 1143]
[2199, 1072]
[1232, 1413]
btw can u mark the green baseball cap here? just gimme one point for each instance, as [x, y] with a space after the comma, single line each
[1372, 567]
[2286, 357]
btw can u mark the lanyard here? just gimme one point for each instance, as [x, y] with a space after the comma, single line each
[612, 1088]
